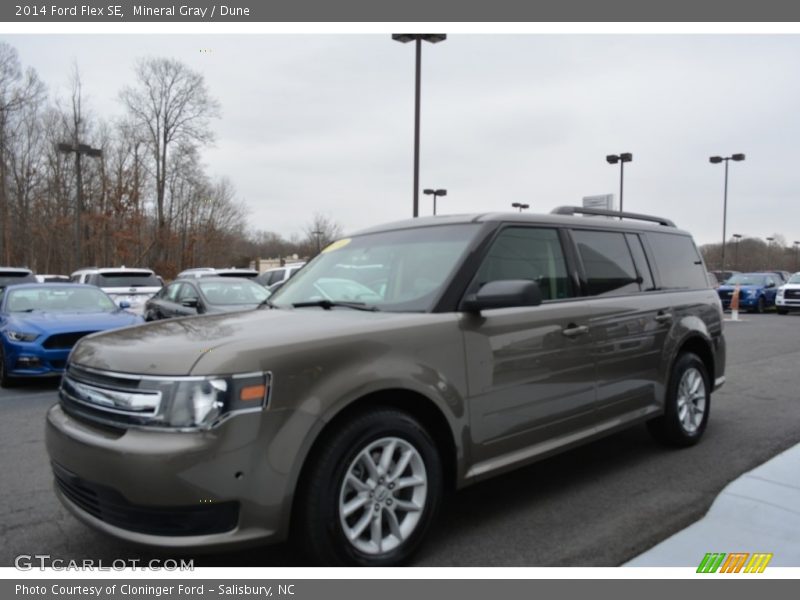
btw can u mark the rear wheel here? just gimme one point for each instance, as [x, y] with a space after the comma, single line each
[687, 404]
[372, 491]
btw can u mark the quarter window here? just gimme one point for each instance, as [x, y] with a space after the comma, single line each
[679, 264]
[607, 262]
[527, 253]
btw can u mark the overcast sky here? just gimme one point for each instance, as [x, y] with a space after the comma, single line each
[325, 122]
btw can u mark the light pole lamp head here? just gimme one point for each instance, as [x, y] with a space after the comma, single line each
[770, 239]
[523, 206]
[626, 157]
[440, 192]
[737, 235]
[715, 159]
[612, 159]
[737, 157]
[428, 192]
[516, 205]
[433, 38]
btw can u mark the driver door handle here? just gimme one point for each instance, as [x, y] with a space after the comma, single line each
[663, 317]
[573, 330]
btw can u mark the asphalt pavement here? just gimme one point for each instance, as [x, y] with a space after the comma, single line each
[600, 505]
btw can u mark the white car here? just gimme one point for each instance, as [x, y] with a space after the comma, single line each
[132, 286]
[788, 298]
[279, 274]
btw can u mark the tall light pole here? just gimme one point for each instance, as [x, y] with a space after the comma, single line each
[520, 206]
[318, 234]
[737, 237]
[621, 158]
[716, 160]
[79, 150]
[418, 38]
[434, 193]
[769, 250]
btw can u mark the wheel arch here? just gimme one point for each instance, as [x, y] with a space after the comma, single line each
[412, 402]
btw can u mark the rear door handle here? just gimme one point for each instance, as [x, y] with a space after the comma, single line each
[663, 317]
[573, 330]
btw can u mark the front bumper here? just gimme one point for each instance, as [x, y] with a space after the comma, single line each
[30, 359]
[787, 303]
[163, 475]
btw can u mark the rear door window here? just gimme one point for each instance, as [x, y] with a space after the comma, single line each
[607, 262]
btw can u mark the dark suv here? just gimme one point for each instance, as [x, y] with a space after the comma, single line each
[404, 360]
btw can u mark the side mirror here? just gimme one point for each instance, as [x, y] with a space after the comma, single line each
[190, 303]
[771, 284]
[124, 304]
[503, 294]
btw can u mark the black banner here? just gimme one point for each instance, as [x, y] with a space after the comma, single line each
[391, 10]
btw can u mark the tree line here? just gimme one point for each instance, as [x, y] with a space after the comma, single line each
[749, 254]
[77, 189]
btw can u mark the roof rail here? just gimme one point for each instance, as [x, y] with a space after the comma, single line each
[572, 210]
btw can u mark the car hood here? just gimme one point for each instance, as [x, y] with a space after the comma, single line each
[45, 323]
[726, 288]
[176, 346]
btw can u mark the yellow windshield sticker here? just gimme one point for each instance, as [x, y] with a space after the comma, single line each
[337, 245]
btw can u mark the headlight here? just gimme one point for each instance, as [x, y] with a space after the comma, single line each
[780, 291]
[201, 403]
[21, 336]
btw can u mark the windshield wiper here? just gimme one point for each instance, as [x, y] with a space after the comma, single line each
[329, 304]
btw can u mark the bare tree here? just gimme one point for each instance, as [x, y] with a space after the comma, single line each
[321, 231]
[172, 106]
[16, 90]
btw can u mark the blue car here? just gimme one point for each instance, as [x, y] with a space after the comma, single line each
[757, 291]
[39, 324]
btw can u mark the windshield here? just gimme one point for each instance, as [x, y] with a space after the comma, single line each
[746, 279]
[794, 278]
[61, 299]
[402, 270]
[232, 292]
[127, 280]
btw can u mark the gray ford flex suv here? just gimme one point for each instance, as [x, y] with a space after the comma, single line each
[402, 361]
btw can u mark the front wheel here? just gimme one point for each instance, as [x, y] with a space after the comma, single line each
[760, 305]
[687, 404]
[372, 492]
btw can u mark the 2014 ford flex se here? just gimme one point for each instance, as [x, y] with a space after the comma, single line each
[404, 360]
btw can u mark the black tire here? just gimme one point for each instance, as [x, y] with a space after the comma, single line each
[5, 381]
[318, 519]
[670, 429]
[760, 305]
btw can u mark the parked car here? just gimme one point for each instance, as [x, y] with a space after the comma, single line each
[53, 278]
[757, 291]
[347, 410]
[39, 324]
[206, 295]
[783, 275]
[236, 272]
[132, 286]
[14, 275]
[279, 274]
[723, 276]
[788, 297]
[196, 273]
